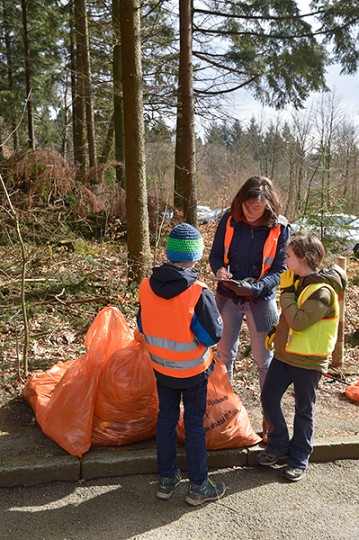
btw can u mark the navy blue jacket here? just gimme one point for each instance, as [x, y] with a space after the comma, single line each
[246, 256]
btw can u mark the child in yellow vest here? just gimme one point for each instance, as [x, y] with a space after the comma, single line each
[303, 341]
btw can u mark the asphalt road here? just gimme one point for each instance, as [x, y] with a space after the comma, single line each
[258, 505]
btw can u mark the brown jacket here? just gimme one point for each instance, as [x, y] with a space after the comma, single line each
[318, 306]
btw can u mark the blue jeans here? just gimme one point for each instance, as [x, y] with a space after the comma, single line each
[305, 382]
[194, 403]
[232, 315]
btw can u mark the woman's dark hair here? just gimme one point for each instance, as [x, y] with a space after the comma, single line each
[257, 188]
[309, 248]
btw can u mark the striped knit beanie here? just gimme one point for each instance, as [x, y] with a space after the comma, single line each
[184, 244]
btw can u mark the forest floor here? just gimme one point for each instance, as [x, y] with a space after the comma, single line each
[67, 285]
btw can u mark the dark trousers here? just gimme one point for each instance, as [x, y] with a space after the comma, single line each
[305, 382]
[194, 403]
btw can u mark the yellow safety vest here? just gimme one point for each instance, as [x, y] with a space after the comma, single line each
[318, 339]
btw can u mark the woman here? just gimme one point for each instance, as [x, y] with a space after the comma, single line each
[250, 247]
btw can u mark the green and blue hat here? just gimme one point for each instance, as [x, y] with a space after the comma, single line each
[184, 244]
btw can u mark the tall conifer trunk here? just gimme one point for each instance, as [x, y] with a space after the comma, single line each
[187, 108]
[78, 109]
[29, 97]
[134, 130]
[83, 49]
[117, 94]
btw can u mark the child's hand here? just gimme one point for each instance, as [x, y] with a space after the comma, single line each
[286, 281]
[269, 341]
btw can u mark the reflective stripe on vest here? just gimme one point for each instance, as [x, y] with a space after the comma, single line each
[269, 248]
[189, 364]
[170, 344]
[173, 347]
[318, 339]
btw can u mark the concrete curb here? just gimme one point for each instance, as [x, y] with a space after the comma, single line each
[334, 449]
[107, 462]
[27, 471]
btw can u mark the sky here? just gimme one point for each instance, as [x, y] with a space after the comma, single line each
[345, 88]
[243, 107]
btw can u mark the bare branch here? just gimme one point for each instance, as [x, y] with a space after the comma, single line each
[15, 217]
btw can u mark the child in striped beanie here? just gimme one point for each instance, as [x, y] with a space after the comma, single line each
[180, 321]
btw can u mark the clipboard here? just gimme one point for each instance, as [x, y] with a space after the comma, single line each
[222, 280]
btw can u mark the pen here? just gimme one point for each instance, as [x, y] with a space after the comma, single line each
[228, 269]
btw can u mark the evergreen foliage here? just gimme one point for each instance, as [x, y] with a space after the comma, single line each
[267, 47]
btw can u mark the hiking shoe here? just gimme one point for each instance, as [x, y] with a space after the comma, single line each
[207, 491]
[166, 486]
[266, 458]
[293, 474]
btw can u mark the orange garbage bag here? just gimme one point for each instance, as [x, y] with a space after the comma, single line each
[126, 404]
[39, 388]
[226, 421]
[65, 413]
[352, 391]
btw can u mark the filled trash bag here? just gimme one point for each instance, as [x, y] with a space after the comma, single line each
[126, 404]
[108, 396]
[226, 421]
[65, 413]
[352, 391]
[40, 386]
[67, 418]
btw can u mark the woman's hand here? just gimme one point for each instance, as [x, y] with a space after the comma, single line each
[224, 273]
[241, 288]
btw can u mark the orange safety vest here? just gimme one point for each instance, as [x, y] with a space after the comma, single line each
[172, 345]
[269, 249]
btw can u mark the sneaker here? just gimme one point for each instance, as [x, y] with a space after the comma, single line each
[166, 486]
[293, 474]
[208, 491]
[266, 458]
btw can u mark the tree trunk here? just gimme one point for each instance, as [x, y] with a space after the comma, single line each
[83, 48]
[10, 77]
[117, 94]
[106, 149]
[30, 112]
[134, 130]
[78, 110]
[178, 172]
[187, 106]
